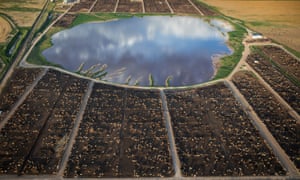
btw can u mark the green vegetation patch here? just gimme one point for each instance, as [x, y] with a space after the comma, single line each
[84, 18]
[46, 19]
[9, 50]
[36, 57]
[14, 44]
[228, 63]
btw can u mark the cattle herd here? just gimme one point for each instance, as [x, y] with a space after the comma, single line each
[56, 123]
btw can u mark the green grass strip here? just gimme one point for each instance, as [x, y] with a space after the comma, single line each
[36, 57]
[228, 63]
[84, 18]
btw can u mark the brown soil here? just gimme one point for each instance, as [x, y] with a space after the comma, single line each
[158, 6]
[83, 6]
[287, 62]
[282, 126]
[65, 21]
[215, 137]
[33, 140]
[16, 87]
[129, 6]
[105, 6]
[182, 6]
[205, 10]
[281, 84]
[127, 140]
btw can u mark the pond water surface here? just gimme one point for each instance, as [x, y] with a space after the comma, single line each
[135, 50]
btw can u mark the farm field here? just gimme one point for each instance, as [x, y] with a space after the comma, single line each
[278, 20]
[24, 12]
[5, 29]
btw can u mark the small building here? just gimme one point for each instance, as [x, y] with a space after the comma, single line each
[70, 1]
[256, 35]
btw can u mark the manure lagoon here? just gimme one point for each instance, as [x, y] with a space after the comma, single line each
[143, 50]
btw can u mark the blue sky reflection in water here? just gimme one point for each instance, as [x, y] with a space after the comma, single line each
[180, 47]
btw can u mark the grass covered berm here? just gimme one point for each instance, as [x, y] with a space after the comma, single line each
[36, 56]
[84, 18]
[228, 63]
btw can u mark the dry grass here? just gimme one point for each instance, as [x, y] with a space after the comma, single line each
[5, 29]
[22, 3]
[23, 12]
[279, 20]
[23, 19]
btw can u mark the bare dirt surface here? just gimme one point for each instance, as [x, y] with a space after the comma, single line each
[44, 128]
[281, 84]
[129, 6]
[156, 6]
[132, 134]
[279, 20]
[285, 61]
[16, 87]
[5, 29]
[128, 140]
[82, 6]
[205, 10]
[205, 132]
[182, 6]
[145, 6]
[65, 21]
[105, 6]
[283, 127]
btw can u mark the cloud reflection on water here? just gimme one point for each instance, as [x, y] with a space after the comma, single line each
[162, 46]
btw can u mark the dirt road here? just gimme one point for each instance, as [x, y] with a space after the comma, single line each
[171, 137]
[74, 133]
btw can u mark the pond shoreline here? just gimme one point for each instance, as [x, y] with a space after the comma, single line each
[163, 46]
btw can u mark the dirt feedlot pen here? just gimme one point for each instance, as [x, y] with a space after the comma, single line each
[52, 122]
